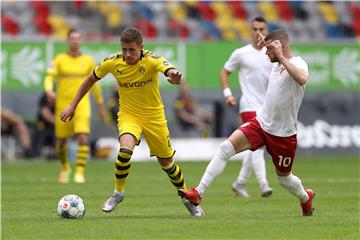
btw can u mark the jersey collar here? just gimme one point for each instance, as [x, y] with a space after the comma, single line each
[141, 55]
[71, 55]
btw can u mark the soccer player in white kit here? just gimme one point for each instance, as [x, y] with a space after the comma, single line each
[254, 69]
[274, 127]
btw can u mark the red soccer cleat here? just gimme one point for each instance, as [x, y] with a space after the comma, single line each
[307, 207]
[192, 195]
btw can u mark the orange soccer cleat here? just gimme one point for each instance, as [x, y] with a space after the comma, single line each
[307, 207]
[192, 195]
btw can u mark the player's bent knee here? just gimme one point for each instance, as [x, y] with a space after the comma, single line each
[226, 149]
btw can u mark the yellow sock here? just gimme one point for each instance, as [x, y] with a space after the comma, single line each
[62, 155]
[122, 168]
[81, 158]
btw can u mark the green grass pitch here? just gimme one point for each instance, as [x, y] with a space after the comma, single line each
[152, 209]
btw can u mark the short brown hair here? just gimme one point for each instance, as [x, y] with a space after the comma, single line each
[259, 19]
[71, 31]
[131, 34]
[278, 34]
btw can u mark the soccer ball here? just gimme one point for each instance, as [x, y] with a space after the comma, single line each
[71, 206]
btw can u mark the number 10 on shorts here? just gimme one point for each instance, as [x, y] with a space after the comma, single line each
[284, 161]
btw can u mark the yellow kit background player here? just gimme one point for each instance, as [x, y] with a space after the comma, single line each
[70, 69]
[141, 110]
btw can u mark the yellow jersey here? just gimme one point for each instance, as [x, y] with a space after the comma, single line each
[70, 73]
[138, 84]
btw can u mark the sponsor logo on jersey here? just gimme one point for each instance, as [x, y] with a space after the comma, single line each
[135, 84]
[165, 63]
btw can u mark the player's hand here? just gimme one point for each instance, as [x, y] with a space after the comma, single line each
[260, 40]
[175, 77]
[277, 48]
[68, 113]
[230, 101]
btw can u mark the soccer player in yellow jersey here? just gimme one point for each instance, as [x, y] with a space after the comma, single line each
[70, 69]
[141, 110]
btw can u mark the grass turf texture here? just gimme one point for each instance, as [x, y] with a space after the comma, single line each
[152, 209]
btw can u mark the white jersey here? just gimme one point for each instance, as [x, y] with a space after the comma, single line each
[278, 116]
[254, 70]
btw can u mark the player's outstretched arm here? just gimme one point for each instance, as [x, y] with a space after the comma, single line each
[69, 111]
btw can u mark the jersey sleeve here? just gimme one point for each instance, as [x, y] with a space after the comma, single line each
[161, 64]
[51, 73]
[232, 64]
[104, 67]
[303, 66]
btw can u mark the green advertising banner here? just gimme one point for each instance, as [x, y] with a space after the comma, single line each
[334, 66]
[331, 66]
[22, 65]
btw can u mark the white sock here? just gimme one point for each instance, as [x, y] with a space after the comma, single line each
[216, 166]
[245, 170]
[293, 185]
[258, 164]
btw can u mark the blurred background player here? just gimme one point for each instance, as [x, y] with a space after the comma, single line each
[141, 110]
[13, 124]
[254, 70]
[112, 105]
[192, 118]
[44, 132]
[70, 69]
[274, 127]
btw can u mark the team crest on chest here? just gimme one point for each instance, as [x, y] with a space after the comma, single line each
[142, 69]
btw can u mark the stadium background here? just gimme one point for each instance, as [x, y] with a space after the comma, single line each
[198, 37]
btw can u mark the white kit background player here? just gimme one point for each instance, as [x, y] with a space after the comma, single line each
[274, 127]
[254, 69]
